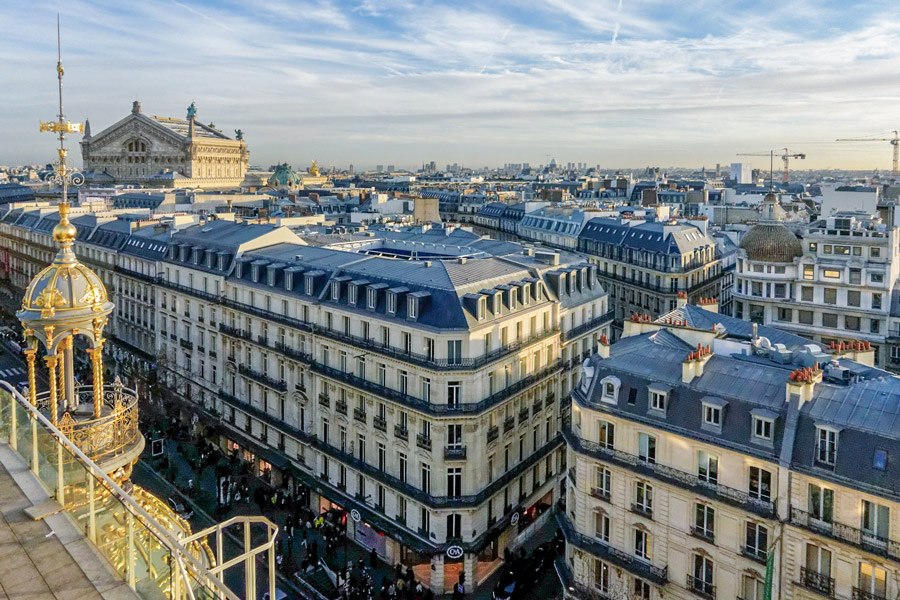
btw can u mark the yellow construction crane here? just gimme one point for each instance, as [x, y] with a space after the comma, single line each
[895, 142]
[785, 158]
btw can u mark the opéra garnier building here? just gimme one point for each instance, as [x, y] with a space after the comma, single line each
[164, 152]
[703, 448]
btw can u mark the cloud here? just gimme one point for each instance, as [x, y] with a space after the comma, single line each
[391, 81]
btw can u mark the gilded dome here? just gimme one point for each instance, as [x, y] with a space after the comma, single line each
[65, 291]
[771, 242]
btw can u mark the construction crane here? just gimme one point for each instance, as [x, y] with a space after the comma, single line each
[785, 158]
[895, 142]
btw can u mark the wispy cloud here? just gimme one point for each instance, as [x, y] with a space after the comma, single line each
[610, 82]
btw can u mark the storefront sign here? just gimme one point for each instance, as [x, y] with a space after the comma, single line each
[514, 519]
[454, 552]
[354, 514]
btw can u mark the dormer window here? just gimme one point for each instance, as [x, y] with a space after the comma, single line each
[271, 277]
[221, 262]
[254, 273]
[610, 389]
[392, 303]
[826, 445]
[195, 255]
[512, 298]
[495, 308]
[412, 308]
[658, 398]
[526, 293]
[371, 298]
[481, 308]
[335, 290]
[572, 282]
[308, 285]
[353, 293]
[763, 428]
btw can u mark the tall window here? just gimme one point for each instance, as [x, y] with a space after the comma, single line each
[826, 445]
[642, 544]
[873, 580]
[454, 352]
[424, 520]
[821, 503]
[454, 435]
[647, 448]
[641, 590]
[643, 497]
[401, 466]
[705, 521]
[601, 576]
[760, 484]
[875, 523]
[426, 478]
[382, 456]
[703, 575]
[607, 434]
[454, 395]
[454, 482]
[707, 467]
[753, 588]
[601, 526]
[403, 381]
[426, 389]
[603, 482]
[757, 542]
[818, 562]
[454, 526]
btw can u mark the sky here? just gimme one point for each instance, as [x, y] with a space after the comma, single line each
[616, 83]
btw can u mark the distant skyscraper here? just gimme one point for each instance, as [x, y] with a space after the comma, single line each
[741, 173]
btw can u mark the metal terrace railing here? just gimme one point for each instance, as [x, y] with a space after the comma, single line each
[144, 552]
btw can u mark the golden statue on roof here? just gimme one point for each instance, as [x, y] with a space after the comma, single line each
[314, 169]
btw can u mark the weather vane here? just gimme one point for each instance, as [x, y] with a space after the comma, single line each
[61, 174]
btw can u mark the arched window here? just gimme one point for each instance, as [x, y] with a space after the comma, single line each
[610, 387]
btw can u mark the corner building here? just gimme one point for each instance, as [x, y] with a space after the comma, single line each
[703, 447]
[421, 396]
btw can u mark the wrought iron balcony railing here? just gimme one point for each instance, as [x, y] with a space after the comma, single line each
[818, 582]
[852, 535]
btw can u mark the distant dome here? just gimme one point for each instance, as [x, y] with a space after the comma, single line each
[771, 242]
[284, 176]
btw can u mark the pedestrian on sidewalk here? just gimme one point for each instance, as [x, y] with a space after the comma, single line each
[398, 571]
[373, 558]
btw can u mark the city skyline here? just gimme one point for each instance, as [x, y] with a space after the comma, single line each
[395, 82]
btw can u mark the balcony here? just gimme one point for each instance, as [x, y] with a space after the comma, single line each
[704, 589]
[455, 453]
[493, 433]
[642, 509]
[262, 378]
[423, 442]
[364, 385]
[324, 400]
[550, 399]
[536, 408]
[380, 423]
[851, 535]
[524, 414]
[669, 475]
[341, 406]
[610, 554]
[186, 344]
[817, 582]
[758, 554]
[425, 360]
[262, 340]
[509, 423]
[359, 414]
[860, 594]
[600, 494]
[594, 323]
[401, 432]
[707, 535]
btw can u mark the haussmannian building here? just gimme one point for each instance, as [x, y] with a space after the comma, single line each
[413, 378]
[647, 265]
[835, 281]
[703, 447]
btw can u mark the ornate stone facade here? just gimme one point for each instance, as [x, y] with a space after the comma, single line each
[164, 152]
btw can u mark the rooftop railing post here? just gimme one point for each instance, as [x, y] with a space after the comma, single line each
[92, 510]
[60, 476]
[249, 567]
[35, 459]
[271, 569]
[13, 424]
[132, 559]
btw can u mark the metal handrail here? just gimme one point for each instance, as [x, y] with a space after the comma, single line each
[178, 551]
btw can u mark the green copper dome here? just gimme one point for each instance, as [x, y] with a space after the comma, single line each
[284, 176]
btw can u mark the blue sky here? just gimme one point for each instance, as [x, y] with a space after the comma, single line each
[620, 83]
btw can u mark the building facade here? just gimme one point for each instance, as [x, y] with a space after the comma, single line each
[647, 265]
[164, 152]
[835, 281]
[703, 448]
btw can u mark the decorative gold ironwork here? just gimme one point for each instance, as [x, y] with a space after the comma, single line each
[111, 434]
[49, 300]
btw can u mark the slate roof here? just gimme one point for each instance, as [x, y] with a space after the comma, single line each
[648, 236]
[865, 410]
